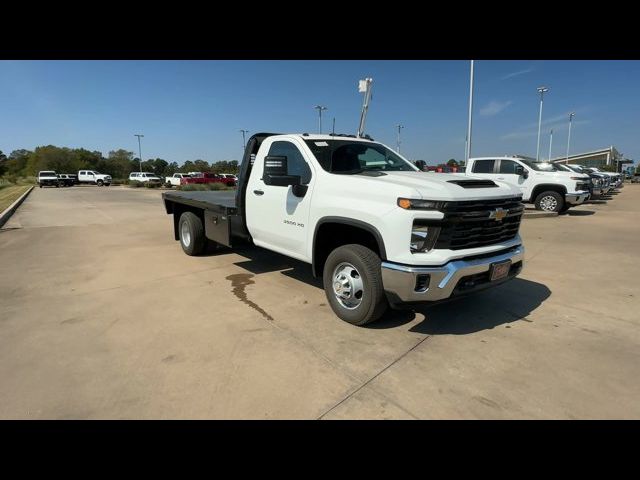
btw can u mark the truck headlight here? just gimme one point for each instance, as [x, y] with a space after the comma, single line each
[423, 238]
[413, 204]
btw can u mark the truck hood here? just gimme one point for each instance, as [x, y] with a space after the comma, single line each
[435, 186]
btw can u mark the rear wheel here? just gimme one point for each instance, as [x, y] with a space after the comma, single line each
[191, 233]
[353, 284]
[549, 202]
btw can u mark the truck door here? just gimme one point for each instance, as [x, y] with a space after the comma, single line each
[507, 173]
[276, 218]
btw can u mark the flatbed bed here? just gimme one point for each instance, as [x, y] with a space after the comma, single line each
[224, 200]
[217, 210]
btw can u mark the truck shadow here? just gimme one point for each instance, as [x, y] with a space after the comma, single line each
[502, 305]
[578, 213]
[262, 261]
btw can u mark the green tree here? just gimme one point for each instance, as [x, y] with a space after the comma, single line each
[225, 166]
[50, 157]
[452, 162]
[188, 166]
[3, 163]
[160, 167]
[171, 169]
[120, 163]
[201, 166]
[17, 162]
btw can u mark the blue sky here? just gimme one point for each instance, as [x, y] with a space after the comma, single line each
[194, 109]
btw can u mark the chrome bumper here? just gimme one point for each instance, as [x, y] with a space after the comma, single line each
[576, 198]
[400, 280]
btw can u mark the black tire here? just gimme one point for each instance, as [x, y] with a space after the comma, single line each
[57, 185]
[40, 185]
[100, 183]
[196, 241]
[565, 208]
[373, 301]
[545, 201]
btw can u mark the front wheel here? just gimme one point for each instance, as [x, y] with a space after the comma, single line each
[353, 284]
[549, 202]
[100, 183]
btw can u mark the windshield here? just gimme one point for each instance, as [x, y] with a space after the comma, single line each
[540, 166]
[348, 157]
[47, 174]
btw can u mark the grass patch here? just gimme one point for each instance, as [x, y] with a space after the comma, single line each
[9, 194]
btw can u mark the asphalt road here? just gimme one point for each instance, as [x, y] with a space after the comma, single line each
[103, 316]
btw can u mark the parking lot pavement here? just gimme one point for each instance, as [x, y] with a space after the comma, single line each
[103, 316]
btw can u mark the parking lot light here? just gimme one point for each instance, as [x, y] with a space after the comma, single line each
[320, 108]
[571, 115]
[139, 149]
[541, 91]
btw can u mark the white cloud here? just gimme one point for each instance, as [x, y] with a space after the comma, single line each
[558, 125]
[494, 107]
[517, 74]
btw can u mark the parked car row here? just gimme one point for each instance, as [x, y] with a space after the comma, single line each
[200, 178]
[551, 187]
[49, 178]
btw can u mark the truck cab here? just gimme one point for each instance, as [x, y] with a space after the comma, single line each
[48, 178]
[377, 230]
[540, 183]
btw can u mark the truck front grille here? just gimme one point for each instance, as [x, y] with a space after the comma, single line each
[472, 224]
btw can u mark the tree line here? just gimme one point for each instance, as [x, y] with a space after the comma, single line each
[118, 163]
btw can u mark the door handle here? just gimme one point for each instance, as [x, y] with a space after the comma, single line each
[258, 192]
[500, 178]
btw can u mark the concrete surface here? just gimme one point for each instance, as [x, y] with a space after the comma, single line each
[103, 316]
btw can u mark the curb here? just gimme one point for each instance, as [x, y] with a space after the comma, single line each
[6, 215]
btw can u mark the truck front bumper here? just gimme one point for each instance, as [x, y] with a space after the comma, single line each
[406, 283]
[576, 198]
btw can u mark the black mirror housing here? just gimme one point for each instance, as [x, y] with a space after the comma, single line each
[420, 164]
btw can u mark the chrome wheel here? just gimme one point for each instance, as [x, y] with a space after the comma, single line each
[548, 203]
[348, 287]
[185, 234]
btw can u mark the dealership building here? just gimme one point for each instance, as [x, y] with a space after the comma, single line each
[596, 158]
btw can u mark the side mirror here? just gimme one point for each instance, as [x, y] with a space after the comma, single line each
[276, 172]
[521, 171]
[420, 164]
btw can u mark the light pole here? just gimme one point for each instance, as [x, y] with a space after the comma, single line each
[541, 91]
[244, 143]
[571, 115]
[320, 108]
[467, 152]
[398, 141]
[139, 148]
[334, 126]
[550, 143]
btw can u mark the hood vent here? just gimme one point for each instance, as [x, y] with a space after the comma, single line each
[474, 183]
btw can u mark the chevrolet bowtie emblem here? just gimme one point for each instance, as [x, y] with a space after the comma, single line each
[498, 214]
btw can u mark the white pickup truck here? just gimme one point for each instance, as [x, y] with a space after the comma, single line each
[540, 183]
[174, 180]
[377, 230]
[94, 178]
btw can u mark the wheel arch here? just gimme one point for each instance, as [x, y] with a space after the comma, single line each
[354, 231]
[547, 187]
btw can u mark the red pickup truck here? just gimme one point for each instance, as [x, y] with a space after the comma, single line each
[207, 177]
